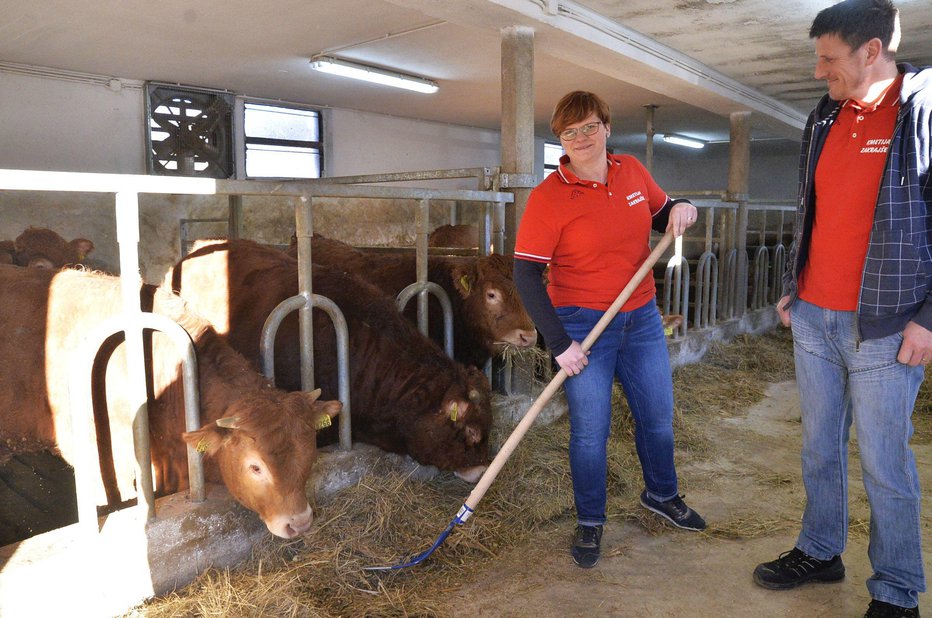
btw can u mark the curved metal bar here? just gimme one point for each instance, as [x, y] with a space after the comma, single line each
[267, 350]
[706, 290]
[730, 283]
[779, 265]
[761, 267]
[676, 278]
[405, 295]
[82, 413]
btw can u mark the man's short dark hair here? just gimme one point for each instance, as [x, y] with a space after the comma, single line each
[858, 21]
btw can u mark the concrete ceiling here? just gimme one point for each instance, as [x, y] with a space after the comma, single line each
[697, 60]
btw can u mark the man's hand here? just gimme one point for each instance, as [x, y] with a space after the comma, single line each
[783, 311]
[916, 348]
[573, 359]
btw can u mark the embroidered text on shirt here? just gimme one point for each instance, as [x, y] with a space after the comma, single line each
[876, 146]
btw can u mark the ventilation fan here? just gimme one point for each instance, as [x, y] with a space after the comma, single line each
[190, 132]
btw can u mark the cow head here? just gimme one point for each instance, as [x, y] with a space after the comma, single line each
[265, 448]
[43, 248]
[491, 304]
[456, 436]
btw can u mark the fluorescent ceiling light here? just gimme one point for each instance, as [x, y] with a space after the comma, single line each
[679, 140]
[328, 64]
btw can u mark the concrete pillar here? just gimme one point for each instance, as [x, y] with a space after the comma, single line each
[739, 165]
[517, 118]
[235, 224]
[649, 132]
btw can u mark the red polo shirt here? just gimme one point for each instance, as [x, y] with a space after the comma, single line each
[594, 236]
[847, 180]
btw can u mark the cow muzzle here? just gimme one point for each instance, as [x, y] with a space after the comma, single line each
[519, 337]
[290, 526]
[471, 474]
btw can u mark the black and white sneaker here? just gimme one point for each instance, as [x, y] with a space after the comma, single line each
[795, 568]
[675, 511]
[586, 546]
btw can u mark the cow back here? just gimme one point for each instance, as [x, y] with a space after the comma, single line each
[399, 379]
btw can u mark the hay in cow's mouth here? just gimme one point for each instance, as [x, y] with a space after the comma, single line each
[382, 519]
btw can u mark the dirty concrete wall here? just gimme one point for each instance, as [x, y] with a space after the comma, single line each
[58, 121]
[53, 120]
[772, 171]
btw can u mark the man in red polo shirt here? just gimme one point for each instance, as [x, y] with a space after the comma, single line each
[859, 298]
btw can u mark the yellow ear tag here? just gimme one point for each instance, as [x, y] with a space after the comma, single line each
[323, 422]
[201, 446]
[454, 411]
[668, 330]
[464, 282]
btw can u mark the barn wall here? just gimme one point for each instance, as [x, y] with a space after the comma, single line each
[772, 171]
[71, 123]
[53, 120]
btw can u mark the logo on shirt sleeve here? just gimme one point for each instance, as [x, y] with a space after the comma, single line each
[635, 198]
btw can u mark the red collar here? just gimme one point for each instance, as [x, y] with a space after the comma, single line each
[567, 176]
[888, 98]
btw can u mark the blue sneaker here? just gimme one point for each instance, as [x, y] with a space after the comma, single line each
[675, 511]
[586, 546]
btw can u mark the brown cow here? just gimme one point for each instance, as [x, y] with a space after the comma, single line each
[487, 312]
[263, 453]
[460, 236]
[40, 247]
[407, 396]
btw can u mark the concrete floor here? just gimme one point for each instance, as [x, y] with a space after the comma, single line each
[753, 484]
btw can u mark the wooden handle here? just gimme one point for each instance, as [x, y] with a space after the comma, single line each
[550, 390]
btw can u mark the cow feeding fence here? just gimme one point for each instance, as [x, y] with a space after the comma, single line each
[718, 291]
[126, 189]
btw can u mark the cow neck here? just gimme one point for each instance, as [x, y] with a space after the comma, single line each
[466, 349]
[417, 375]
[224, 376]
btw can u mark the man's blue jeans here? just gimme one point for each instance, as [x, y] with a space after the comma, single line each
[840, 381]
[633, 349]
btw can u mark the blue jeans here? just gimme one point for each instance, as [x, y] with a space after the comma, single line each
[840, 382]
[633, 349]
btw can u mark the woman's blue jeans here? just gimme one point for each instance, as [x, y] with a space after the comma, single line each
[841, 381]
[633, 349]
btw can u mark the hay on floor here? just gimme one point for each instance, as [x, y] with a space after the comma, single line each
[385, 519]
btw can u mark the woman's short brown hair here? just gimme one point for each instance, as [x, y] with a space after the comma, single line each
[576, 106]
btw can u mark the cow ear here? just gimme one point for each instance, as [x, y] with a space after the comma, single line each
[473, 435]
[324, 412]
[455, 410]
[208, 439]
[464, 279]
[82, 246]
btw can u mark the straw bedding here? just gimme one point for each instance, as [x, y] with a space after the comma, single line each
[385, 519]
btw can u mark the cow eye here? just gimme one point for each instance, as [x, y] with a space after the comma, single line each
[491, 294]
[255, 469]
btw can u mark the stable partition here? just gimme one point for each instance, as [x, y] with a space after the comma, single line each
[126, 190]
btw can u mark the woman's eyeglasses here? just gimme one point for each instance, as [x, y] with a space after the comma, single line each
[587, 129]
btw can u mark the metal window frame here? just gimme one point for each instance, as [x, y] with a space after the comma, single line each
[246, 140]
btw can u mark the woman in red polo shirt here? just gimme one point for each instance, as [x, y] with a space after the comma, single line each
[590, 221]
